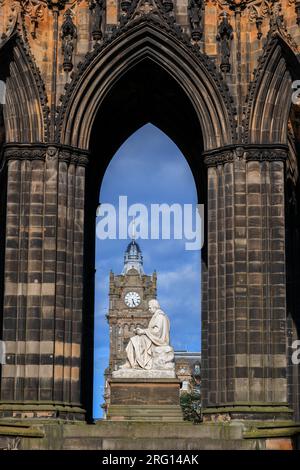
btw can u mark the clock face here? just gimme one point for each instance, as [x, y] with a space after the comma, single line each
[132, 299]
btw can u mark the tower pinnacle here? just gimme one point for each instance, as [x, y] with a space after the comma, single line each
[133, 257]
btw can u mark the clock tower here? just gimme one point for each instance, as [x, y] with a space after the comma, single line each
[129, 294]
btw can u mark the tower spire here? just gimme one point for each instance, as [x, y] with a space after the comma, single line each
[133, 258]
[133, 229]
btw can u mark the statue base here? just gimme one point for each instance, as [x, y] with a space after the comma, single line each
[144, 399]
[144, 374]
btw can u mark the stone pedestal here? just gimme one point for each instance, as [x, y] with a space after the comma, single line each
[148, 399]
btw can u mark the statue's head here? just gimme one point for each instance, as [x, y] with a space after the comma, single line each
[153, 305]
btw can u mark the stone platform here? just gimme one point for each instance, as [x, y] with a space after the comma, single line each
[144, 399]
[110, 435]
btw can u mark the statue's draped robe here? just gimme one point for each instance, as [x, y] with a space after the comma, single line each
[139, 348]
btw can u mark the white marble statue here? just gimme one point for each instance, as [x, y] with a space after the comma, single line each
[149, 353]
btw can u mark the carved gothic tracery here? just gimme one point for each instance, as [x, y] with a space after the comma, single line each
[278, 24]
[133, 9]
[260, 9]
[35, 10]
[144, 7]
[224, 36]
[257, 12]
[11, 20]
[69, 34]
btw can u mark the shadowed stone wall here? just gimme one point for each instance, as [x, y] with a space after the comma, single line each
[42, 312]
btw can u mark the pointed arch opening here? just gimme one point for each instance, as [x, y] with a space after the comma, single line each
[270, 92]
[145, 94]
[25, 112]
[147, 171]
[145, 73]
[143, 42]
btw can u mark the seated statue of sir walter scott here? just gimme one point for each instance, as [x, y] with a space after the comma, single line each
[149, 352]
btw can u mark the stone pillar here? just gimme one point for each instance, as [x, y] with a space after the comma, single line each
[244, 344]
[42, 312]
[293, 282]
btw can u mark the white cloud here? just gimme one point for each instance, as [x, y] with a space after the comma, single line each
[187, 273]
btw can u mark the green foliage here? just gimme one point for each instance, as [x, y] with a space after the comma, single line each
[191, 407]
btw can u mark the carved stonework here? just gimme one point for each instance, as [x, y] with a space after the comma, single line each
[297, 9]
[68, 35]
[155, 15]
[168, 5]
[269, 155]
[23, 152]
[257, 12]
[237, 5]
[278, 25]
[259, 153]
[144, 7]
[219, 158]
[11, 20]
[195, 11]
[97, 8]
[220, 3]
[73, 158]
[249, 154]
[125, 6]
[34, 9]
[56, 4]
[276, 16]
[224, 36]
[131, 10]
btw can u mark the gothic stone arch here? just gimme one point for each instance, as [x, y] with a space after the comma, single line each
[239, 167]
[185, 97]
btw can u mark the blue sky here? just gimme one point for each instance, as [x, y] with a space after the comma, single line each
[149, 168]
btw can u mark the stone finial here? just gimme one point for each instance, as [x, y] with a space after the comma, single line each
[68, 35]
[195, 11]
[97, 8]
[225, 35]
